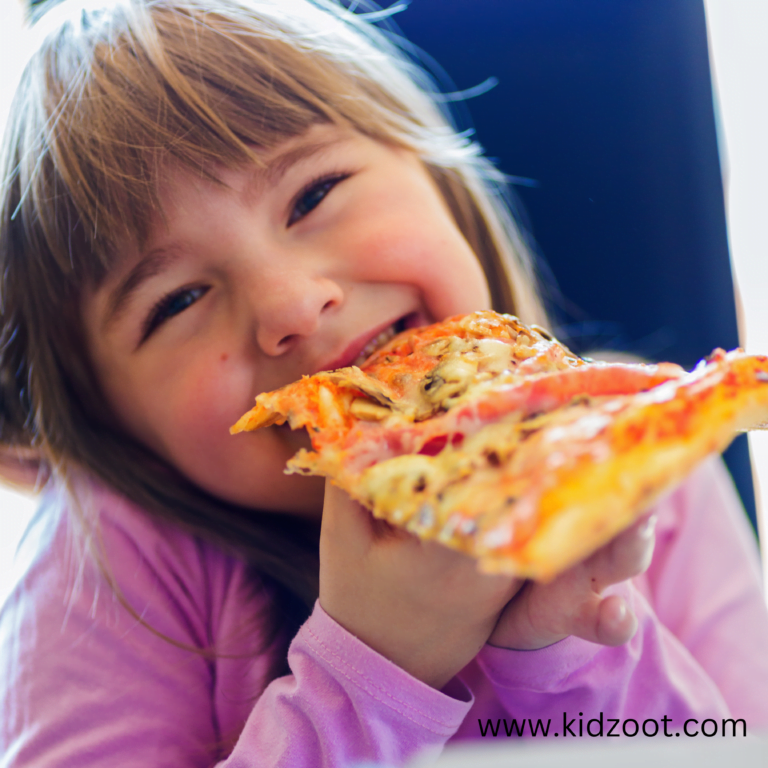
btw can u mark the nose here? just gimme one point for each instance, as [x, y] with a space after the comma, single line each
[291, 307]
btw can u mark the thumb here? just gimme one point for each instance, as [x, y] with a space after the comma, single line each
[613, 624]
[538, 618]
[606, 620]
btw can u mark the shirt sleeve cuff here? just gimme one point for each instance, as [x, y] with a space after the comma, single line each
[540, 670]
[341, 653]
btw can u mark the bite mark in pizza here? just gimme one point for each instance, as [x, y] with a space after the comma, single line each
[493, 438]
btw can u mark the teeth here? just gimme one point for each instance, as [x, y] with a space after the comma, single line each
[374, 344]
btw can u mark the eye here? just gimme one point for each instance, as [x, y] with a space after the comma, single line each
[169, 306]
[312, 195]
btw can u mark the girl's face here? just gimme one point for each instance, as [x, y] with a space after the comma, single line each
[246, 285]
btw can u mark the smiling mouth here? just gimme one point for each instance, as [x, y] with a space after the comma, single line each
[380, 340]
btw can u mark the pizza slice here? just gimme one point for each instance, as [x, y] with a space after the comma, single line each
[493, 438]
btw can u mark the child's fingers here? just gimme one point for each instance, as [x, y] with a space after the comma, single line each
[607, 621]
[615, 624]
[543, 621]
[628, 555]
[573, 604]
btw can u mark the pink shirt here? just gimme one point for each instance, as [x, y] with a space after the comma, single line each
[82, 683]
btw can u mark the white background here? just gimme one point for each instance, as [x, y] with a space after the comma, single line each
[738, 35]
[738, 31]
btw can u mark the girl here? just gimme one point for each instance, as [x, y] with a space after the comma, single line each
[205, 200]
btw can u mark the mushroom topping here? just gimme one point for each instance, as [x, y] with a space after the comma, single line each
[367, 411]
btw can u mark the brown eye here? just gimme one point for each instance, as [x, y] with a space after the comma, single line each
[171, 305]
[312, 195]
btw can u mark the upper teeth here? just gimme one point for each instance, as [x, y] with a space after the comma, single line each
[374, 344]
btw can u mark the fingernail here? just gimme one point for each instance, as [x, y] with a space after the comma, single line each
[646, 530]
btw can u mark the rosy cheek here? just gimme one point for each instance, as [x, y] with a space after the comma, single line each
[205, 403]
[442, 267]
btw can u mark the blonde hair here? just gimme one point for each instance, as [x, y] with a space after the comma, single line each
[111, 97]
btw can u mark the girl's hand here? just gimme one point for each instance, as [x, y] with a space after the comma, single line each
[423, 606]
[572, 604]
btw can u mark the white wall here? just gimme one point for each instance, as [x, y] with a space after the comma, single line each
[15, 512]
[11, 45]
[738, 31]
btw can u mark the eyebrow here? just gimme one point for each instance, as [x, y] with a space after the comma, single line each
[156, 261]
[150, 266]
[276, 167]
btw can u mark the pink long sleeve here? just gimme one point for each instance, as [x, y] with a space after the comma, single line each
[705, 585]
[345, 703]
[83, 683]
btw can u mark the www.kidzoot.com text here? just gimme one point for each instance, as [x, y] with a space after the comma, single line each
[602, 726]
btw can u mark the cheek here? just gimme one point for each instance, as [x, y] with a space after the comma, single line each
[433, 256]
[206, 400]
[245, 469]
[186, 403]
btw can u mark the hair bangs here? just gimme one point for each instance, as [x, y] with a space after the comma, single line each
[117, 95]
